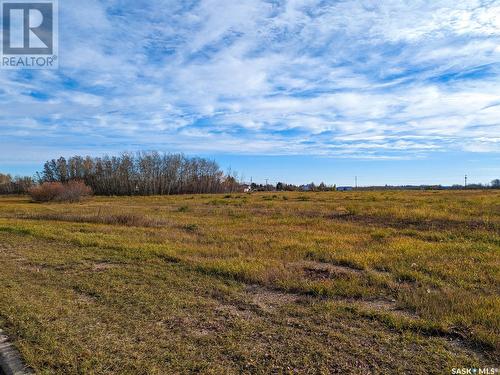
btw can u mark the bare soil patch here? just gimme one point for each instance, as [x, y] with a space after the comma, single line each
[321, 271]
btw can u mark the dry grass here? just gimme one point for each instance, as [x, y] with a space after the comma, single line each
[125, 219]
[356, 282]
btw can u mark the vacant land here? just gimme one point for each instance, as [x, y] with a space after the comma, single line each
[358, 282]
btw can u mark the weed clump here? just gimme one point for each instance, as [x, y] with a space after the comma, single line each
[190, 227]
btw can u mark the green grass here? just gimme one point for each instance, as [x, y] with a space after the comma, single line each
[381, 282]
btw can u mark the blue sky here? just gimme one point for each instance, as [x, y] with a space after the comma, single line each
[392, 91]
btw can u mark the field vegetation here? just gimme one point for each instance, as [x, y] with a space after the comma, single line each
[351, 282]
[72, 191]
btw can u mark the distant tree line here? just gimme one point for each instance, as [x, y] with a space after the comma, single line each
[495, 184]
[282, 186]
[15, 185]
[143, 173]
[154, 173]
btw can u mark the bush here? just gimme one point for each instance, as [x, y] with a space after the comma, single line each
[46, 192]
[72, 191]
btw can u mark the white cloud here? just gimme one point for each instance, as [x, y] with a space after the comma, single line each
[299, 77]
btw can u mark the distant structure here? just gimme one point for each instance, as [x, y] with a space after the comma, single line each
[345, 188]
[307, 187]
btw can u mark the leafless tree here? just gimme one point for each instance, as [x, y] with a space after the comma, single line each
[144, 173]
[14, 185]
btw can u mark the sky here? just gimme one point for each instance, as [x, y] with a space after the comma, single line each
[396, 92]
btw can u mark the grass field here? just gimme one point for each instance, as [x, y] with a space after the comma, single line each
[356, 282]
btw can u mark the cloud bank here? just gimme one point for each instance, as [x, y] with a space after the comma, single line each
[358, 79]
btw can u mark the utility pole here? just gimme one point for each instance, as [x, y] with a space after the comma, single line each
[356, 182]
[465, 181]
[267, 183]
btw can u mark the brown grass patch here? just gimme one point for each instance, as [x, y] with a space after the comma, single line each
[123, 219]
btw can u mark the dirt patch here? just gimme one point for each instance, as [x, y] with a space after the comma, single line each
[461, 344]
[31, 268]
[384, 306]
[7, 250]
[236, 310]
[100, 267]
[317, 273]
[86, 298]
[255, 300]
[269, 300]
[203, 332]
[37, 267]
[322, 271]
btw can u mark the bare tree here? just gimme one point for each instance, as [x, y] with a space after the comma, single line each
[15, 185]
[145, 173]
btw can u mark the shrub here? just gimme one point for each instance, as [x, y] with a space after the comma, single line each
[72, 191]
[46, 192]
[191, 227]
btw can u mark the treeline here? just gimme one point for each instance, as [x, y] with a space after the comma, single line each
[143, 173]
[495, 184]
[15, 185]
[282, 186]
